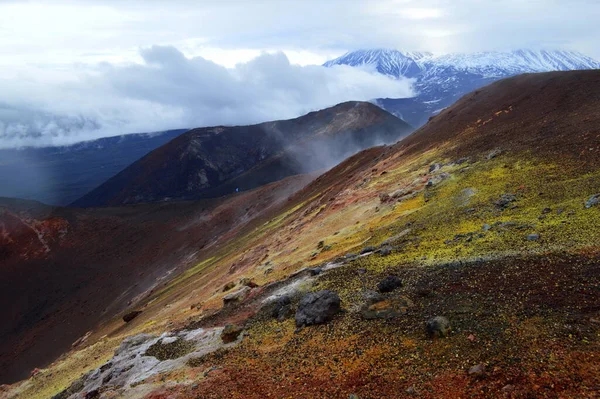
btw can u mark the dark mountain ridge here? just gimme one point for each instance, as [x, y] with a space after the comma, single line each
[59, 175]
[214, 161]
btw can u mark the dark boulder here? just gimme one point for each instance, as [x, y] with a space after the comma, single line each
[317, 308]
[282, 308]
[389, 284]
[505, 201]
[366, 250]
[131, 315]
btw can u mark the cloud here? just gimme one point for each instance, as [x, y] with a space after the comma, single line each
[169, 90]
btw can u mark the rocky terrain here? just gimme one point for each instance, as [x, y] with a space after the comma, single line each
[460, 262]
[215, 161]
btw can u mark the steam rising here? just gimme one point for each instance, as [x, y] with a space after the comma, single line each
[169, 90]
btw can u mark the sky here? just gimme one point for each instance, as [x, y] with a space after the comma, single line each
[77, 70]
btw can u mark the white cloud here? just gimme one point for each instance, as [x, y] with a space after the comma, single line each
[169, 90]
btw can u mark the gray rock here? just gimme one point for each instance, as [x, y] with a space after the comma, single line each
[593, 201]
[434, 167]
[389, 284]
[437, 327]
[317, 308]
[385, 251]
[505, 201]
[533, 237]
[494, 153]
[372, 297]
[477, 370]
[282, 308]
[486, 227]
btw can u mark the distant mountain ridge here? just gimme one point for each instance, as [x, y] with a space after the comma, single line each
[59, 175]
[215, 161]
[442, 79]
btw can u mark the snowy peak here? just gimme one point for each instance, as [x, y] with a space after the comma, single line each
[500, 64]
[385, 61]
[489, 64]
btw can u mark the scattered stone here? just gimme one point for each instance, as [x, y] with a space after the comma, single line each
[385, 251]
[368, 249]
[320, 244]
[386, 309]
[389, 284]
[508, 388]
[593, 201]
[437, 179]
[462, 160]
[362, 270]
[131, 315]
[317, 308]
[546, 211]
[411, 390]
[434, 167]
[494, 153]
[282, 309]
[505, 201]
[353, 396]
[486, 227]
[477, 370]
[230, 333]
[533, 237]
[230, 285]
[236, 296]
[372, 297]
[384, 197]
[350, 256]
[437, 327]
[268, 271]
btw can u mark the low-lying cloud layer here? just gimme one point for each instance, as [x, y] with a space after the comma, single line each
[169, 90]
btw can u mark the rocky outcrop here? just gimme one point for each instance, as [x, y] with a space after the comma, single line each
[317, 308]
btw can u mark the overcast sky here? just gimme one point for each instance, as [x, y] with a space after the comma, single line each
[72, 70]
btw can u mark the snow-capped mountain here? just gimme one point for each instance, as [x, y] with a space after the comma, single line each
[442, 79]
[385, 61]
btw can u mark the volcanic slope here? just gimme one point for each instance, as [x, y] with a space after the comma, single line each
[214, 161]
[64, 270]
[488, 215]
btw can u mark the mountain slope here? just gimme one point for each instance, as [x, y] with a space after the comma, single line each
[442, 79]
[483, 216]
[201, 162]
[59, 175]
[65, 270]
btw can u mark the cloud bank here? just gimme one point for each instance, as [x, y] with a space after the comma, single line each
[168, 90]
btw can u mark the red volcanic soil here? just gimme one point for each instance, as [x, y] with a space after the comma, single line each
[64, 270]
[554, 114]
